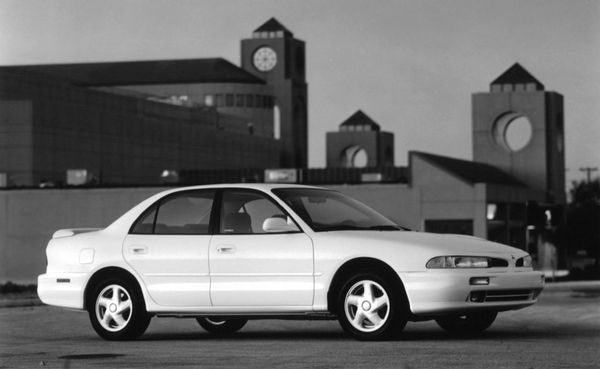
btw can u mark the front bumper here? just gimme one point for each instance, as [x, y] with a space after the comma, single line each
[435, 292]
[62, 289]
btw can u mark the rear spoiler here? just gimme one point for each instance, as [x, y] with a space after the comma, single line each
[72, 232]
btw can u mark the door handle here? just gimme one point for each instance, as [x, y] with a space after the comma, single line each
[138, 249]
[226, 249]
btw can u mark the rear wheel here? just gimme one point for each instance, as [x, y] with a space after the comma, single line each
[221, 326]
[469, 323]
[370, 309]
[116, 309]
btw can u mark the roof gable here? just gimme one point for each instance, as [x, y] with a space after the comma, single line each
[360, 119]
[516, 74]
[273, 25]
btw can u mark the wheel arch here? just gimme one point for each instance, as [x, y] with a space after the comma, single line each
[109, 272]
[362, 264]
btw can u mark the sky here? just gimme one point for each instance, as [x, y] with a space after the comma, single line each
[411, 65]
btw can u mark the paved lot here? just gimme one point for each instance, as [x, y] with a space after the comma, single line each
[562, 331]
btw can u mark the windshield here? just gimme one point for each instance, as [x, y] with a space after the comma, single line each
[326, 210]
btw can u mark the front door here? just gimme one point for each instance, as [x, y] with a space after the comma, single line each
[168, 248]
[250, 267]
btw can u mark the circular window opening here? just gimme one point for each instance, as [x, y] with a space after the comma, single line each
[355, 157]
[513, 131]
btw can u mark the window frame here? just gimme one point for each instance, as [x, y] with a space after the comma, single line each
[215, 213]
[155, 207]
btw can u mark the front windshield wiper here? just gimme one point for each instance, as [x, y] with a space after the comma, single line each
[349, 227]
[342, 227]
[387, 227]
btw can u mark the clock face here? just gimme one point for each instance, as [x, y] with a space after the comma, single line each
[265, 59]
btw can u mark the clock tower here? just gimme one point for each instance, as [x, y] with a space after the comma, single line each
[274, 55]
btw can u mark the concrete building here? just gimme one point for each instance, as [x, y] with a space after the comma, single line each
[519, 128]
[517, 167]
[360, 143]
[127, 122]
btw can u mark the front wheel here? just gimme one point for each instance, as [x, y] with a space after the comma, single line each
[117, 310]
[370, 309]
[467, 324]
[221, 326]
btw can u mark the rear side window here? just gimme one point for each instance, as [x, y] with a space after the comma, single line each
[182, 213]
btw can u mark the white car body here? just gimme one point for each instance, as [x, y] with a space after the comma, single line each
[284, 274]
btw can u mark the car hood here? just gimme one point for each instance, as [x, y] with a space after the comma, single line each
[433, 243]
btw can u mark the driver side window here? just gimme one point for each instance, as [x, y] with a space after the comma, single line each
[245, 212]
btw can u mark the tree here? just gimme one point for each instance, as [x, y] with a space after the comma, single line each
[583, 219]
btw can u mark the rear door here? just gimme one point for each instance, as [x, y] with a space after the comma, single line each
[168, 247]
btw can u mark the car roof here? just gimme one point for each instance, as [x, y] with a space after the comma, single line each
[254, 186]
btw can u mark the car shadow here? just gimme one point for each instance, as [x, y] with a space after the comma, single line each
[248, 336]
[406, 336]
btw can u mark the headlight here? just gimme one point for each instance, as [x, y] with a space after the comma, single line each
[525, 262]
[442, 262]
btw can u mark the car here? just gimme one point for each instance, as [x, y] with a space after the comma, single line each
[224, 254]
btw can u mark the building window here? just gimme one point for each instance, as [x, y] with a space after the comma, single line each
[219, 98]
[229, 100]
[258, 102]
[279, 33]
[239, 100]
[209, 100]
[249, 101]
[276, 122]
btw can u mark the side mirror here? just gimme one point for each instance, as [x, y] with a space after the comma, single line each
[279, 225]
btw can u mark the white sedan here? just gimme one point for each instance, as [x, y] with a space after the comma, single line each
[224, 254]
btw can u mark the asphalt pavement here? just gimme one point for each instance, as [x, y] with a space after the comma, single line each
[561, 331]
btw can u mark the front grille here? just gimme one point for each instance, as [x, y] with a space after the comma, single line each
[504, 295]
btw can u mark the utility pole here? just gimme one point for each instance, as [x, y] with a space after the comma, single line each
[589, 171]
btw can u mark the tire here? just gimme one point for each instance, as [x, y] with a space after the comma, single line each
[220, 326]
[370, 308]
[471, 323]
[117, 311]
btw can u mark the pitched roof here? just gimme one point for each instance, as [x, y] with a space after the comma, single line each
[273, 25]
[470, 171]
[516, 74]
[213, 70]
[360, 119]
